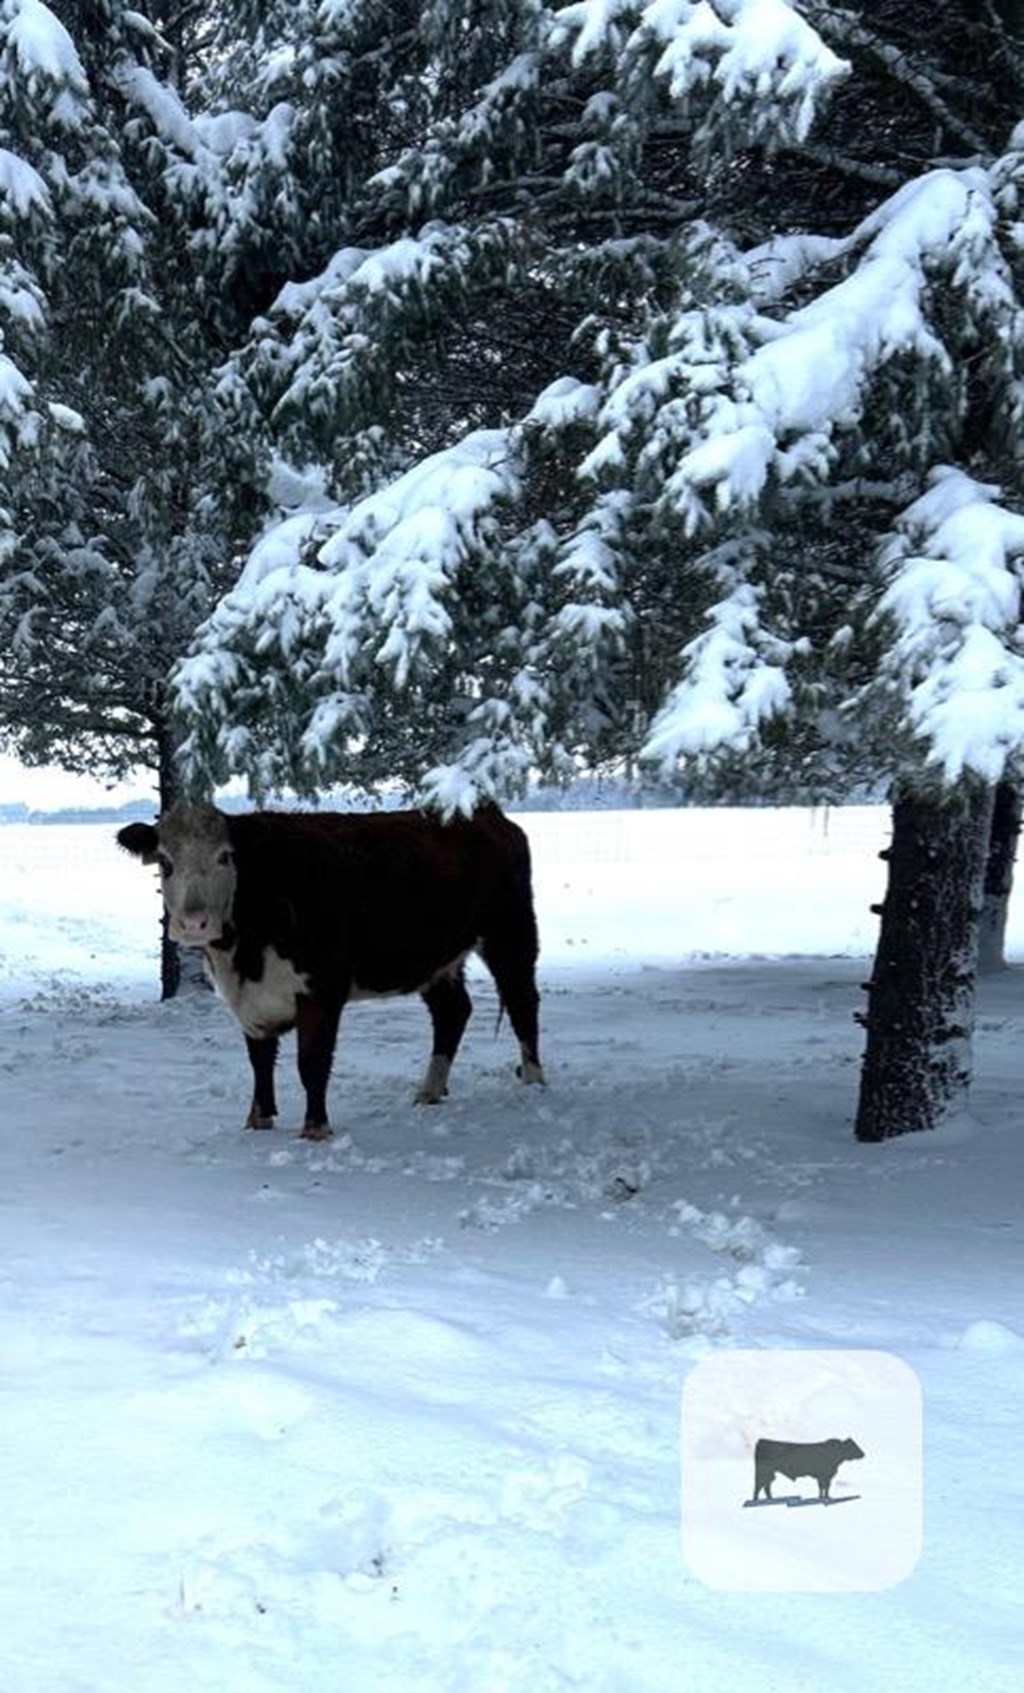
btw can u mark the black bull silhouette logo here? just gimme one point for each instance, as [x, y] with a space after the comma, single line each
[819, 1459]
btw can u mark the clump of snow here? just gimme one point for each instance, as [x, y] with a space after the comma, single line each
[954, 597]
[22, 187]
[224, 132]
[42, 46]
[66, 418]
[731, 685]
[991, 1338]
[563, 401]
[15, 396]
[743, 48]
[296, 298]
[748, 47]
[709, 1304]
[160, 103]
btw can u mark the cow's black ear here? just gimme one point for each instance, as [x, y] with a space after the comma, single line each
[140, 839]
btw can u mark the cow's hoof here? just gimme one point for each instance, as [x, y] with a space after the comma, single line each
[316, 1131]
[255, 1121]
[530, 1072]
[434, 1086]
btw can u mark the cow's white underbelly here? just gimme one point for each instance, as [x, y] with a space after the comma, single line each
[265, 1007]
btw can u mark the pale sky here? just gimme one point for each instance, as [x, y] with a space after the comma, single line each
[50, 789]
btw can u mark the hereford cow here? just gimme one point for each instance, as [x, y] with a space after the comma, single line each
[299, 913]
[792, 1458]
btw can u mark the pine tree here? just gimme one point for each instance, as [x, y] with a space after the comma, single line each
[116, 542]
[124, 499]
[482, 248]
[703, 359]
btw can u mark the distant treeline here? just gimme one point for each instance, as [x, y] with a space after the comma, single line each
[588, 794]
[593, 793]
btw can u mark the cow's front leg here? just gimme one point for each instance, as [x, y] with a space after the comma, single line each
[262, 1057]
[317, 1029]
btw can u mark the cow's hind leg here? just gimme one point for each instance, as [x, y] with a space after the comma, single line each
[262, 1057]
[316, 1026]
[512, 963]
[450, 1009]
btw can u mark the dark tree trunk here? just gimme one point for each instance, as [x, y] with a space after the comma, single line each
[170, 962]
[180, 967]
[917, 1060]
[1002, 850]
[167, 793]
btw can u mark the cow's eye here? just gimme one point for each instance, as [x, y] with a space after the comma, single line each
[225, 857]
[166, 867]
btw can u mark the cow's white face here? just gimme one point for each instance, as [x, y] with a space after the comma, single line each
[192, 848]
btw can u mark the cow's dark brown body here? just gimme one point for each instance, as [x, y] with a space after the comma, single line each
[298, 913]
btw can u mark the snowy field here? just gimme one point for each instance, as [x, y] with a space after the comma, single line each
[402, 1412]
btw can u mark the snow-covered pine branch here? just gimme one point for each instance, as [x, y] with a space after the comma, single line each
[42, 94]
[734, 679]
[742, 71]
[779, 415]
[952, 672]
[341, 612]
[926, 287]
[746, 72]
[326, 357]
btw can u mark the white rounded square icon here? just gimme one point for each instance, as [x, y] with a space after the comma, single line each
[774, 1443]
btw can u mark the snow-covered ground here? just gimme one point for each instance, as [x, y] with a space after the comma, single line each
[402, 1411]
